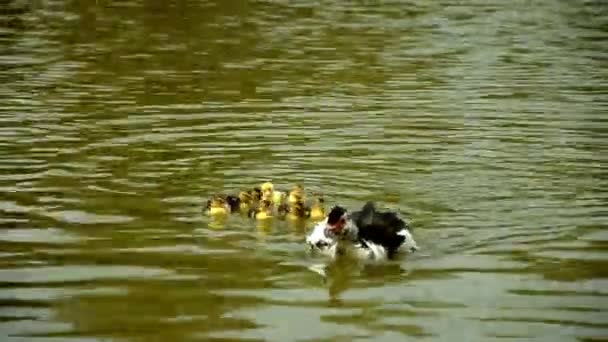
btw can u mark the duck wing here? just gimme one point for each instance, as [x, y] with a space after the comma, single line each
[382, 229]
[365, 216]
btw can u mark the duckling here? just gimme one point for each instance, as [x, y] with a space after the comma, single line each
[269, 193]
[296, 194]
[249, 198]
[217, 205]
[267, 190]
[246, 200]
[222, 204]
[317, 210]
[298, 210]
[263, 211]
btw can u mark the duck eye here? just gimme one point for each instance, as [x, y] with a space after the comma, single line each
[342, 220]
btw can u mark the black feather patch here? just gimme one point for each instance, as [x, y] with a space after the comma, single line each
[233, 202]
[335, 214]
[257, 193]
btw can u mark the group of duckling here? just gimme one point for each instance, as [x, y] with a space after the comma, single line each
[264, 202]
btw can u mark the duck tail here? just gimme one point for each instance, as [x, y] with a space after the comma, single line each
[367, 213]
[369, 206]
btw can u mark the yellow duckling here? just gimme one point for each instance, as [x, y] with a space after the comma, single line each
[263, 212]
[217, 205]
[249, 198]
[296, 194]
[268, 193]
[222, 204]
[297, 210]
[246, 199]
[317, 210]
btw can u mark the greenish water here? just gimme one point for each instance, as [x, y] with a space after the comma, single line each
[484, 122]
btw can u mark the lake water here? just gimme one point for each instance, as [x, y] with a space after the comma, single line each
[483, 122]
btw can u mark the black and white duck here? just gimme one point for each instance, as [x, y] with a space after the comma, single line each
[366, 234]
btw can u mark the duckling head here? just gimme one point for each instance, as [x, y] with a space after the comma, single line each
[267, 189]
[264, 211]
[278, 197]
[245, 196]
[217, 206]
[266, 197]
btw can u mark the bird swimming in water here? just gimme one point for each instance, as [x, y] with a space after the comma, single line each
[222, 204]
[367, 234]
[269, 193]
[297, 210]
[263, 211]
[249, 198]
[296, 194]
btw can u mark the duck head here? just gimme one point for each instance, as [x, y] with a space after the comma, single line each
[320, 241]
[337, 220]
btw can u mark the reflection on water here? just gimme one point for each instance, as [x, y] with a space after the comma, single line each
[483, 123]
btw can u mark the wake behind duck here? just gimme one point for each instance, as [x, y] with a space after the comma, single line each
[366, 234]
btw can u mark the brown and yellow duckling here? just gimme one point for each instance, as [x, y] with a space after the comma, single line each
[249, 198]
[317, 209]
[296, 194]
[222, 204]
[263, 210]
[298, 210]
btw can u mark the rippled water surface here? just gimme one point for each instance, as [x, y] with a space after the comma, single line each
[483, 122]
